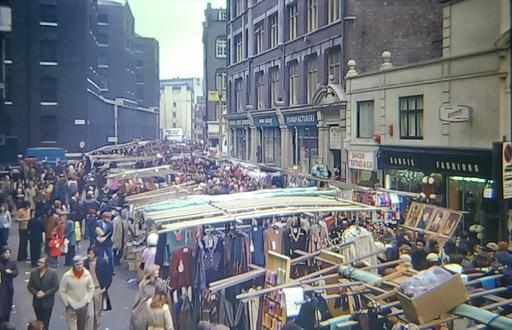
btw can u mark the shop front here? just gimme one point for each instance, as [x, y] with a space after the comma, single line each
[269, 134]
[362, 165]
[304, 133]
[239, 131]
[455, 178]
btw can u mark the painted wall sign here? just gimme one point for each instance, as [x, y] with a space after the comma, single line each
[361, 160]
[301, 119]
[238, 122]
[266, 121]
[335, 138]
[455, 113]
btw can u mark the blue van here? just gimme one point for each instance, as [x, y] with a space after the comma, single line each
[52, 154]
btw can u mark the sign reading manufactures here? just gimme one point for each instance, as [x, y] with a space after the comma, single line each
[301, 119]
[507, 169]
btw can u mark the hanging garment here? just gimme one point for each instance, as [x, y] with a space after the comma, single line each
[298, 241]
[180, 268]
[233, 314]
[273, 240]
[256, 247]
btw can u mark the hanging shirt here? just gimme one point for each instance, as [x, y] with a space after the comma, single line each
[257, 252]
[273, 240]
[180, 268]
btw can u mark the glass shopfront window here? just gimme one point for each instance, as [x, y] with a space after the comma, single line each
[465, 194]
[305, 146]
[240, 151]
[365, 178]
[271, 142]
[403, 180]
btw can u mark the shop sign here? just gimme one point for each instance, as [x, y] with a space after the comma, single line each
[459, 162]
[335, 137]
[266, 121]
[361, 160]
[455, 113]
[301, 119]
[238, 122]
[507, 169]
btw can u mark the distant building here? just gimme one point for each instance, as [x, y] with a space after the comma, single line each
[286, 67]
[214, 76]
[56, 91]
[178, 98]
[199, 126]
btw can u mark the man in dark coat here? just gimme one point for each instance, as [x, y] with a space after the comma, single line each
[8, 271]
[102, 279]
[43, 284]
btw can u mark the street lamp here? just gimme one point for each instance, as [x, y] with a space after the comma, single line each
[220, 94]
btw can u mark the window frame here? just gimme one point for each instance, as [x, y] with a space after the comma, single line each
[332, 65]
[274, 85]
[293, 83]
[239, 48]
[416, 112]
[274, 30]
[312, 16]
[358, 118]
[43, 17]
[238, 94]
[259, 35]
[293, 19]
[49, 95]
[310, 71]
[52, 49]
[220, 47]
[333, 11]
[260, 91]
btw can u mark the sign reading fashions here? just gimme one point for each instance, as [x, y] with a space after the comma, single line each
[361, 160]
[458, 162]
[301, 119]
[507, 169]
[335, 137]
[238, 122]
[455, 113]
[266, 121]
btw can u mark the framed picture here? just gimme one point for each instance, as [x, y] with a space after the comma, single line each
[428, 211]
[414, 214]
[450, 224]
[437, 220]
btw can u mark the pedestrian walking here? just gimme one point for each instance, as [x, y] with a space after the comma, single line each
[76, 291]
[158, 313]
[104, 232]
[55, 249]
[70, 239]
[43, 284]
[23, 216]
[35, 235]
[8, 271]
[120, 233]
[146, 290]
[5, 224]
[102, 279]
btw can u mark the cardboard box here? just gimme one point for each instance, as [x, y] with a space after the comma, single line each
[434, 303]
[132, 265]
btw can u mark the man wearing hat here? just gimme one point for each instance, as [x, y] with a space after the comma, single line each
[76, 291]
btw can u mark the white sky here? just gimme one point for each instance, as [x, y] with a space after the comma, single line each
[177, 25]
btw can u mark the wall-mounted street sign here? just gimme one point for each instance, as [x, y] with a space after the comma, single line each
[213, 96]
[455, 113]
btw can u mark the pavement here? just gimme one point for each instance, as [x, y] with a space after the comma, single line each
[122, 293]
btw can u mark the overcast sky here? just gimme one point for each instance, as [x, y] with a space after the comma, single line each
[177, 25]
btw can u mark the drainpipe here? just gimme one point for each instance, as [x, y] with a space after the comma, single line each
[116, 116]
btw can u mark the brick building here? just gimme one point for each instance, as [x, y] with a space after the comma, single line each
[286, 66]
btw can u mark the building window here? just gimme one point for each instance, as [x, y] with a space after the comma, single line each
[48, 51]
[102, 39]
[274, 31]
[411, 117]
[365, 119]
[312, 17]
[293, 15]
[174, 114]
[48, 13]
[258, 33]
[293, 79]
[333, 10]
[139, 93]
[238, 95]
[49, 89]
[139, 48]
[220, 81]
[220, 47]
[102, 19]
[102, 61]
[260, 91]
[49, 128]
[333, 65]
[239, 48]
[238, 7]
[274, 86]
[139, 78]
[139, 63]
[312, 80]
[8, 90]
[7, 50]
[222, 15]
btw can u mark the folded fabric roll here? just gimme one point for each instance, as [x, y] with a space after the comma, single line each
[488, 283]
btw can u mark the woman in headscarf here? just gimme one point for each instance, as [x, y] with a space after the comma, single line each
[8, 271]
[146, 290]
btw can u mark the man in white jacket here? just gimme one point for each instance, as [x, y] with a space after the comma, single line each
[76, 291]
